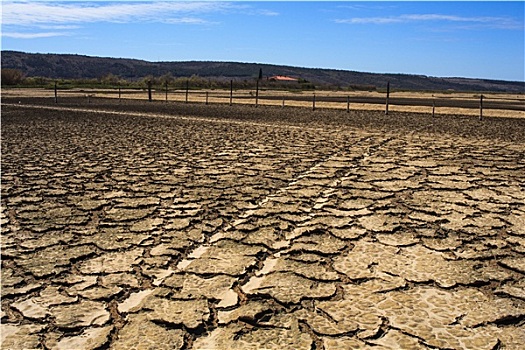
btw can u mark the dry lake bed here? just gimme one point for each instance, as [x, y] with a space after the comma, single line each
[139, 225]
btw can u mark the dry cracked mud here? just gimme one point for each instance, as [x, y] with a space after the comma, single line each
[123, 228]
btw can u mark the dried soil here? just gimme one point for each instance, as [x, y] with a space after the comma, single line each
[184, 226]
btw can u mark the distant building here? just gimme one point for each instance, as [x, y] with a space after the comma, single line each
[282, 78]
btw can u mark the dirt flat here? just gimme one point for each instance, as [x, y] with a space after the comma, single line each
[140, 225]
[438, 103]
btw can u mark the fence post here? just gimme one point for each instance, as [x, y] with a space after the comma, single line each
[119, 93]
[187, 88]
[313, 103]
[166, 91]
[231, 92]
[149, 91]
[481, 107]
[433, 106]
[56, 93]
[206, 97]
[257, 94]
[348, 104]
[283, 103]
[387, 97]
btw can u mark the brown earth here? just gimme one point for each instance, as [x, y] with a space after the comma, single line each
[140, 225]
[444, 103]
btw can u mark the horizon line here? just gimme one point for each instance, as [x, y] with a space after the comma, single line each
[268, 64]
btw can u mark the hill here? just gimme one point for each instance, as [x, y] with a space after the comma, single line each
[67, 66]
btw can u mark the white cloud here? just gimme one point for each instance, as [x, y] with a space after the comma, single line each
[187, 20]
[366, 6]
[264, 12]
[18, 17]
[475, 22]
[36, 13]
[58, 27]
[17, 35]
[371, 20]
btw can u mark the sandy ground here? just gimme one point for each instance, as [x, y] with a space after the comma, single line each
[137, 226]
[247, 97]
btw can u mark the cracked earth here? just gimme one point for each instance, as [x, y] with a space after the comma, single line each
[123, 230]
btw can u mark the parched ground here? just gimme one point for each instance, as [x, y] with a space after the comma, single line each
[168, 226]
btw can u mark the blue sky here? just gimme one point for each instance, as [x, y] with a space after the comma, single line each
[447, 39]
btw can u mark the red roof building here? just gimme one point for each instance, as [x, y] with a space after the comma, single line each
[282, 78]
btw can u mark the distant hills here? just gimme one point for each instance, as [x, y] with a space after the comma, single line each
[66, 66]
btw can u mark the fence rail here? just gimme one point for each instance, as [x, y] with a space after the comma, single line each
[517, 104]
[313, 99]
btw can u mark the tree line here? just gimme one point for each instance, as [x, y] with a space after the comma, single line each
[16, 78]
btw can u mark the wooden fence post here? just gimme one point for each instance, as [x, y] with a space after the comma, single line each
[187, 89]
[481, 107]
[231, 92]
[313, 103]
[56, 93]
[149, 91]
[257, 94]
[433, 107]
[206, 97]
[166, 91]
[387, 97]
[283, 103]
[348, 104]
[119, 93]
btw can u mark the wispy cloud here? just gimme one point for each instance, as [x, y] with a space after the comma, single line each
[20, 17]
[35, 13]
[188, 20]
[366, 6]
[264, 12]
[17, 35]
[58, 27]
[475, 22]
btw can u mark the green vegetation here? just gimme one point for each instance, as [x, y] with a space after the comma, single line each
[12, 76]
[15, 78]
[87, 71]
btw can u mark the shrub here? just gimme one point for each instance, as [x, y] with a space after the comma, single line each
[12, 76]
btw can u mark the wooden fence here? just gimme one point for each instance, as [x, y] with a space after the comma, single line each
[317, 99]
